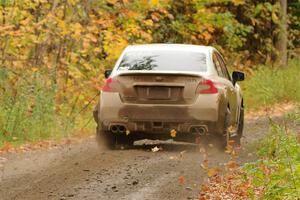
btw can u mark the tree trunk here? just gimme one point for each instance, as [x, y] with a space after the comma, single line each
[281, 44]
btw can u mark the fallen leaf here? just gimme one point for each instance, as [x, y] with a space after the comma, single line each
[232, 164]
[181, 154]
[7, 146]
[173, 133]
[181, 180]
[231, 142]
[204, 164]
[204, 188]
[213, 172]
[202, 150]
[172, 158]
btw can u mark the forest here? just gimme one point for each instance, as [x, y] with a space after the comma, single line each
[53, 53]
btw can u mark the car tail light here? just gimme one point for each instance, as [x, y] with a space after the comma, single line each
[107, 85]
[207, 87]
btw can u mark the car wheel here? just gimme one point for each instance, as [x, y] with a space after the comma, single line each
[241, 123]
[226, 137]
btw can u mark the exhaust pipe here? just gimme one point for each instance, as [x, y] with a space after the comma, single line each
[198, 130]
[118, 129]
[121, 129]
[114, 129]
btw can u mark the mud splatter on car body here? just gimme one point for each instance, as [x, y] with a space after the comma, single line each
[161, 87]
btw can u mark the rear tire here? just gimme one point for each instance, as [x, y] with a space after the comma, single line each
[224, 137]
[236, 139]
[241, 124]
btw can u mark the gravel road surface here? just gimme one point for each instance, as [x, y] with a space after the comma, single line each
[85, 171]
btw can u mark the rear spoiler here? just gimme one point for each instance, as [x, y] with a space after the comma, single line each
[171, 73]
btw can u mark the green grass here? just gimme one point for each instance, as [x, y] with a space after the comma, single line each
[268, 86]
[277, 171]
[29, 110]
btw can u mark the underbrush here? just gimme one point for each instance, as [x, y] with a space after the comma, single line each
[275, 175]
[277, 172]
[267, 86]
[31, 111]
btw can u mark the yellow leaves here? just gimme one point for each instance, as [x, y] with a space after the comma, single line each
[114, 44]
[148, 22]
[85, 44]
[87, 66]
[77, 30]
[92, 29]
[238, 2]
[62, 25]
[72, 2]
[206, 36]
[34, 69]
[26, 21]
[112, 2]
[210, 29]
[275, 18]
[131, 13]
[91, 37]
[213, 171]
[154, 2]
[173, 133]
[6, 30]
[155, 17]
[97, 50]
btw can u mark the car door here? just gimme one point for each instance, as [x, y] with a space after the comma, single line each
[231, 91]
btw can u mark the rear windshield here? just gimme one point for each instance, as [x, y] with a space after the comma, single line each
[160, 60]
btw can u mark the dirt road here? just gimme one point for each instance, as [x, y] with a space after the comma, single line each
[83, 171]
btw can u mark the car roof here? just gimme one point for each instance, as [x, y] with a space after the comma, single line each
[181, 47]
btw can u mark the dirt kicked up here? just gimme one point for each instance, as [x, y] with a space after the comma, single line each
[83, 171]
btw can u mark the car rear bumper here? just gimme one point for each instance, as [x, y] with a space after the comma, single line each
[159, 118]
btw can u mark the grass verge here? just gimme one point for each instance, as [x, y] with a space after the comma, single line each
[268, 86]
[32, 108]
[275, 175]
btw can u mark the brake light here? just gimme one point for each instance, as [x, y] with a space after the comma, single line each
[107, 85]
[208, 87]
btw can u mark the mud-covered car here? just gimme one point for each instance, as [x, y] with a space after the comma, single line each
[160, 91]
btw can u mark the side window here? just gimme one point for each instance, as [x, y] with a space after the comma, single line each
[223, 67]
[217, 65]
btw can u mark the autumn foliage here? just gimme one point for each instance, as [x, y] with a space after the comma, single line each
[53, 53]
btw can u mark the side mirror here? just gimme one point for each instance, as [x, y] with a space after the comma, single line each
[237, 76]
[107, 73]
